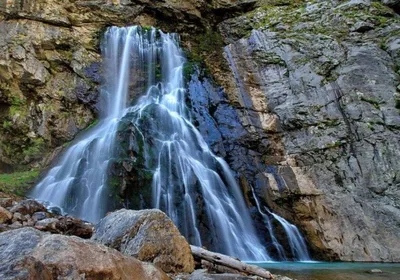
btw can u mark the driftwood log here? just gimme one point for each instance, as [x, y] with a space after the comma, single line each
[223, 260]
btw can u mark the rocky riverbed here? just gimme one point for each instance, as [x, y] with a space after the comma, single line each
[126, 244]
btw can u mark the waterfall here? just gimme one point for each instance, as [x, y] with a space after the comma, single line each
[268, 224]
[296, 240]
[78, 183]
[193, 186]
[297, 244]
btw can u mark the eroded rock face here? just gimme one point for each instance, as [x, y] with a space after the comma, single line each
[314, 103]
[148, 235]
[30, 254]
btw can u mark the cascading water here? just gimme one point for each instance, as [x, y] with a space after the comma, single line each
[193, 186]
[78, 183]
[268, 224]
[297, 244]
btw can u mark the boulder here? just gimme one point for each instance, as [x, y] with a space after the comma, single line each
[49, 224]
[148, 235]
[31, 254]
[66, 225]
[6, 202]
[5, 215]
[38, 216]
[28, 206]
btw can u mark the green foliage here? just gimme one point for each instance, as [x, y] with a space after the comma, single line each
[189, 69]
[18, 182]
[7, 124]
[34, 148]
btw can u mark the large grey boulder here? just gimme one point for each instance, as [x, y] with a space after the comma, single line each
[148, 235]
[30, 254]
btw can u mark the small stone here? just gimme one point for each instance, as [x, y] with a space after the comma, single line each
[6, 202]
[15, 225]
[362, 26]
[38, 216]
[5, 215]
[375, 270]
[17, 217]
[18, 53]
[49, 224]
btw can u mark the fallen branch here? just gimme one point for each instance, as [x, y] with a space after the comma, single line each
[223, 260]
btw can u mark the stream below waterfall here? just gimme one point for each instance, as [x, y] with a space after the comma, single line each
[335, 270]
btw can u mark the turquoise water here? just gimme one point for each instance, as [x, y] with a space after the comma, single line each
[334, 271]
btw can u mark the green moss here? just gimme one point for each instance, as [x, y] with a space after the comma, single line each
[207, 45]
[34, 148]
[93, 124]
[334, 144]
[189, 69]
[146, 28]
[19, 110]
[329, 123]
[370, 125]
[371, 101]
[7, 124]
[18, 182]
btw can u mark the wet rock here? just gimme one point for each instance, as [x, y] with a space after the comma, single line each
[148, 235]
[5, 215]
[30, 254]
[38, 216]
[29, 207]
[49, 224]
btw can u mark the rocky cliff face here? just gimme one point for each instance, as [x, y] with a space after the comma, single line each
[315, 89]
[50, 65]
[308, 117]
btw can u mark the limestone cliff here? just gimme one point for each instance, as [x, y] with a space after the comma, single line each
[308, 115]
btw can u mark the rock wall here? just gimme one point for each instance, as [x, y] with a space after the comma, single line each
[50, 65]
[311, 120]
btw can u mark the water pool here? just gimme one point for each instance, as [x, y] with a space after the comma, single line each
[336, 270]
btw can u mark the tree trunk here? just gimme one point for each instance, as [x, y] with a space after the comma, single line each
[223, 260]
